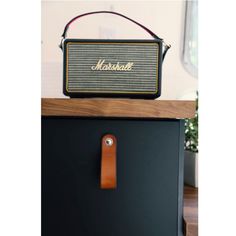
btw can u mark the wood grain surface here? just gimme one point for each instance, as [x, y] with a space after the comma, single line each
[191, 211]
[134, 108]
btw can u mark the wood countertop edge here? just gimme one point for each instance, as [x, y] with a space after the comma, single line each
[190, 211]
[126, 108]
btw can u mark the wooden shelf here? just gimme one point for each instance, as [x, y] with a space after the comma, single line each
[191, 211]
[127, 108]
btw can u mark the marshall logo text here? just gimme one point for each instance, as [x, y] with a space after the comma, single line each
[101, 65]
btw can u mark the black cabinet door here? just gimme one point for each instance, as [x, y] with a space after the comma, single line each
[148, 197]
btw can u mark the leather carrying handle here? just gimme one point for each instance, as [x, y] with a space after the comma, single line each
[108, 162]
[107, 12]
[118, 14]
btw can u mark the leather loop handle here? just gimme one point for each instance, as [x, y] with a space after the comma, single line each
[166, 46]
[109, 12]
[108, 162]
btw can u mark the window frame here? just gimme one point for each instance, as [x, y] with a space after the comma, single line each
[185, 57]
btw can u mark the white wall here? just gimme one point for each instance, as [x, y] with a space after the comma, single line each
[165, 18]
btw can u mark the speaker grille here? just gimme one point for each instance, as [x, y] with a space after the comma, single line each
[140, 78]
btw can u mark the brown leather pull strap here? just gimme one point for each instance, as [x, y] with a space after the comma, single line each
[108, 162]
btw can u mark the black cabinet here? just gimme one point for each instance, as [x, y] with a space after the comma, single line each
[149, 194]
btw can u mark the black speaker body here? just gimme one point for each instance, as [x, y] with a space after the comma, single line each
[149, 194]
[112, 68]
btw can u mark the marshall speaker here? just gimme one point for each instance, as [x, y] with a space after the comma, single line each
[112, 68]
